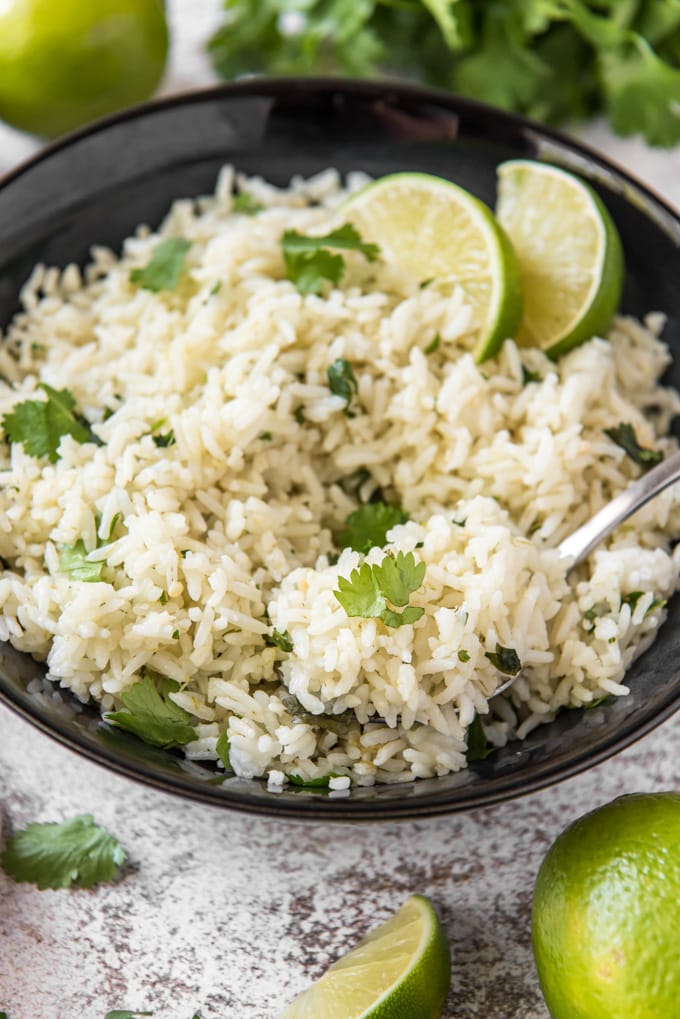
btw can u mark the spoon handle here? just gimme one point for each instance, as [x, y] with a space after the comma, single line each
[582, 542]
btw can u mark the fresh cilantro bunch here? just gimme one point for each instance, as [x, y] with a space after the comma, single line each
[555, 60]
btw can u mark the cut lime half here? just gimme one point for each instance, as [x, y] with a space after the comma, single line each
[569, 251]
[434, 230]
[401, 970]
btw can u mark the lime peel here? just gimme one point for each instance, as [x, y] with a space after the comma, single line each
[402, 969]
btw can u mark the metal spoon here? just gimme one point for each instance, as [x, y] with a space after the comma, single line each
[575, 548]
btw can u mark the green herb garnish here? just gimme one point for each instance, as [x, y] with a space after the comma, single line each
[368, 590]
[309, 264]
[222, 749]
[57, 855]
[152, 716]
[40, 424]
[529, 376]
[164, 440]
[505, 659]
[478, 746]
[164, 269]
[367, 526]
[245, 203]
[463, 656]
[73, 560]
[322, 782]
[433, 345]
[633, 597]
[342, 382]
[279, 640]
[624, 436]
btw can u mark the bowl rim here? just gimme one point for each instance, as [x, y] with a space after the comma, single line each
[538, 775]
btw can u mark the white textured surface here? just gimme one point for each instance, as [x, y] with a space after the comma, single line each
[233, 915]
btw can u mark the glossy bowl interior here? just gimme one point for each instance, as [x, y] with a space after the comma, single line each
[97, 185]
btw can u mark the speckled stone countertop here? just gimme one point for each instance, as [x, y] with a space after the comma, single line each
[230, 915]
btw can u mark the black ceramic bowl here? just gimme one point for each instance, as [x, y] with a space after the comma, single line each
[97, 185]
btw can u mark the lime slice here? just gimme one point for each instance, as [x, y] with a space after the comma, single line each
[435, 230]
[569, 251]
[402, 970]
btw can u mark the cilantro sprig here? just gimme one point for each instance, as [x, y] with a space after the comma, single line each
[244, 203]
[310, 265]
[57, 855]
[367, 526]
[39, 425]
[163, 270]
[371, 589]
[152, 716]
[478, 746]
[624, 436]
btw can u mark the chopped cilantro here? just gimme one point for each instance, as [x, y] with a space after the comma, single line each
[279, 640]
[633, 597]
[463, 656]
[505, 659]
[322, 782]
[459, 523]
[309, 264]
[163, 598]
[299, 415]
[245, 203]
[164, 269]
[478, 746]
[222, 748]
[73, 560]
[342, 382]
[529, 376]
[57, 855]
[40, 424]
[152, 716]
[624, 436]
[425, 283]
[265, 436]
[369, 588]
[215, 289]
[433, 345]
[367, 526]
[175, 634]
[165, 440]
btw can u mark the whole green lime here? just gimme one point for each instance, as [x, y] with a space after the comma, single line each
[606, 913]
[66, 62]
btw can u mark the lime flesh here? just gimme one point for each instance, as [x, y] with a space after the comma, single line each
[569, 251]
[401, 970]
[606, 913]
[434, 230]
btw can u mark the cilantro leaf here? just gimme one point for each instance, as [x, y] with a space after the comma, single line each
[308, 262]
[57, 855]
[529, 376]
[40, 424]
[367, 526]
[505, 659]
[244, 203]
[279, 640]
[222, 748]
[360, 595]
[342, 382]
[642, 93]
[367, 590]
[624, 436]
[478, 746]
[633, 597]
[164, 269]
[463, 655]
[152, 716]
[73, 560]
[399, 577]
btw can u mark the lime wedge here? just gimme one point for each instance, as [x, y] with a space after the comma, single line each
[569, 251]
[435, 230]
[401, 970]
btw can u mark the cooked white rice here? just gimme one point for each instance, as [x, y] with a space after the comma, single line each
[230, 531]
